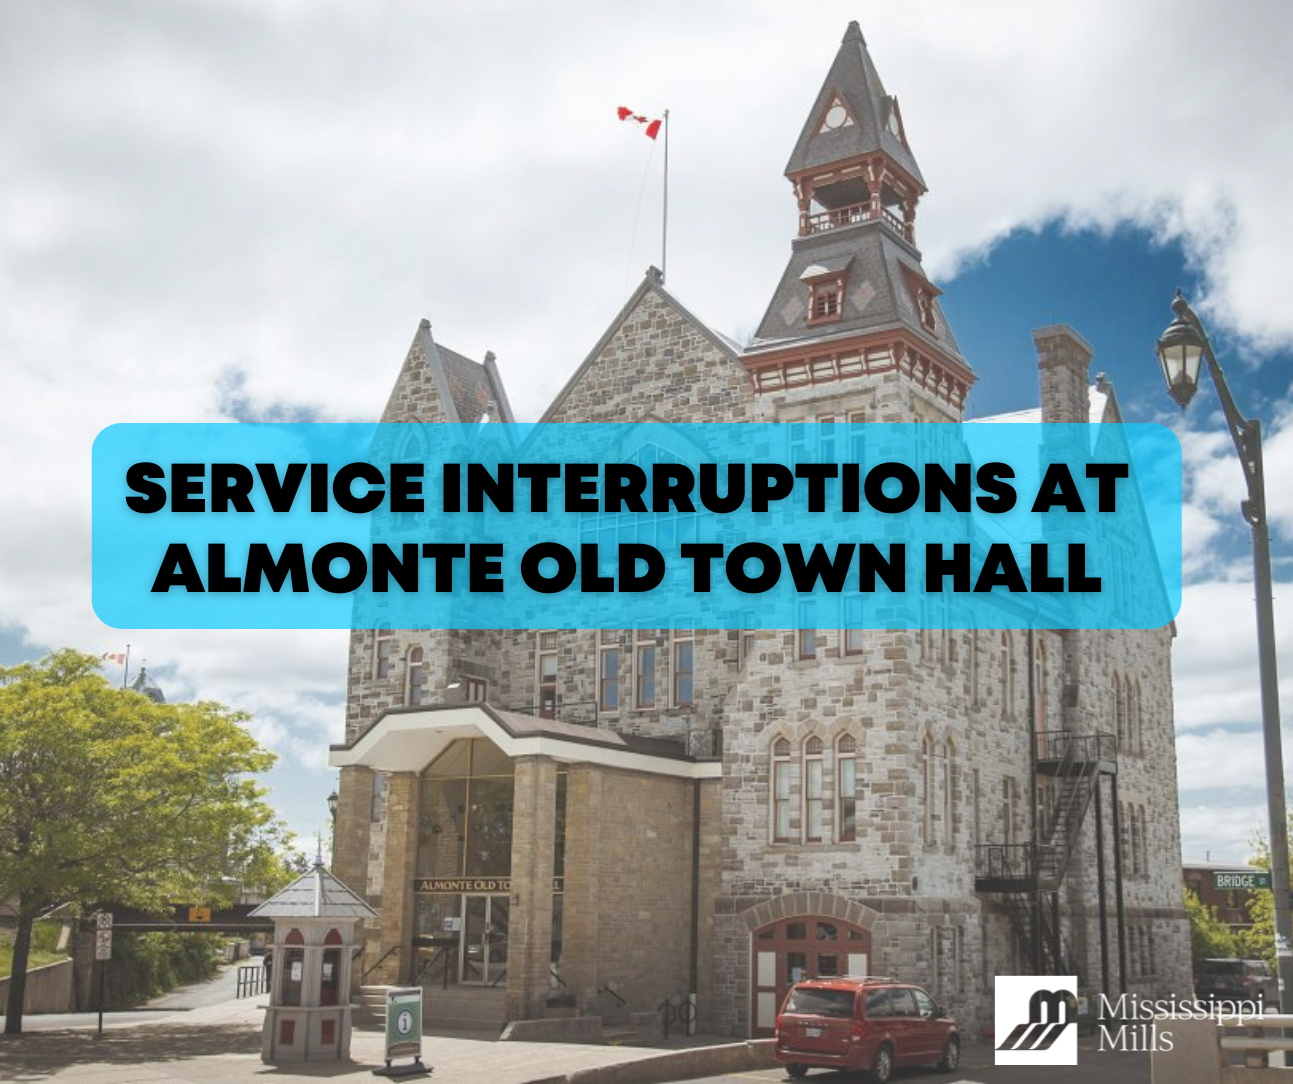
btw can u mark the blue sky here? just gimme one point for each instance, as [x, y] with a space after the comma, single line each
[215, 211]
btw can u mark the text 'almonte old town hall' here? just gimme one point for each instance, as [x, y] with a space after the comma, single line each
[612, 819]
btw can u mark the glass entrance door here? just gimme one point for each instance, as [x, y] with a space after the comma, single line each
[484, 940]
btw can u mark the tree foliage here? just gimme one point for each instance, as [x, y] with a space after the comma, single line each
[1209, 936]
[108, 797]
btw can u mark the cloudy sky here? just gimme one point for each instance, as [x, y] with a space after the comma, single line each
[240, 210]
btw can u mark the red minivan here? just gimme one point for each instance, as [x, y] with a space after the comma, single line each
[863, 1023]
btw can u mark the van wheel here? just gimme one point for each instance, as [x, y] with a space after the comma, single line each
[882, 1070]
[796, 1072]
[952, 1055]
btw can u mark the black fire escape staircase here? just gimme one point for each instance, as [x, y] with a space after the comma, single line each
[1027, 876]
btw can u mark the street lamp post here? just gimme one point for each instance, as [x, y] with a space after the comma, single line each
[1181, 348]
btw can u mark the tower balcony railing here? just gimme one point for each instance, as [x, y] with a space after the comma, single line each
[851, 216]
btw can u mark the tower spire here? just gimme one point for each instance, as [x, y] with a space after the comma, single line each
[854, 286]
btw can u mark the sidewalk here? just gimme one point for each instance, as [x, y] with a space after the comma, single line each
[222, 1043]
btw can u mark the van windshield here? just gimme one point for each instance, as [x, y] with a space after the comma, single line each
[1223, 967]
[810, 1002]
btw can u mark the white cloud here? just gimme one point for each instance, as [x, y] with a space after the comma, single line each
[282, 189]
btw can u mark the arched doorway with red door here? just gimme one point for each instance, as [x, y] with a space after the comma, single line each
[801, 947]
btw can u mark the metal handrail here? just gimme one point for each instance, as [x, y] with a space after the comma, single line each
[389, 952]
[426, 967]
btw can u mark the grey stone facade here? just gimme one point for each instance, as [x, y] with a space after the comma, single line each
[938, 723]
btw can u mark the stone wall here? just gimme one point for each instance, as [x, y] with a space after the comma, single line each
[627, 923]
[48, 990]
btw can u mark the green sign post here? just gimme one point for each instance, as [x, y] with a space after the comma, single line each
[1256, 879]
[403, 1031]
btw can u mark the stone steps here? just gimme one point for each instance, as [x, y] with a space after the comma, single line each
[459, 1008]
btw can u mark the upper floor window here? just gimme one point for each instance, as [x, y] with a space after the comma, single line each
[415, 686]
[546, 672]
[781, 791]
[475, 689]
[383, 651]
[644, 669]
[825, 301]
[683, 691]
[608, 674]
[814, 822]
[846, 818]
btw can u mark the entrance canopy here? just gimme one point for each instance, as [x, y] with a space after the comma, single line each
[408, 739]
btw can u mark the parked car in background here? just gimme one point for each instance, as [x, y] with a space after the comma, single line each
[871, 1023]
[1232, 979]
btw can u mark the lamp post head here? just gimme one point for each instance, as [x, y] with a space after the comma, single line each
[333, 799]
[1180, 353]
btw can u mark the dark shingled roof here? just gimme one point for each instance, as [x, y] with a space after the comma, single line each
[853, 77]
[469, 385]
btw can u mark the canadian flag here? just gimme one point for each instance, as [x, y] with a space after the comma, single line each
[652, 128]
[112, 656]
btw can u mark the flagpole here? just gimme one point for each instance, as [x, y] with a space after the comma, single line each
[664, 225]
[125, 669]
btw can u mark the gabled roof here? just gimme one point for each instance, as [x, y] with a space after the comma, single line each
[317, 894]
[853, 79]
[652, 282]
[437, 384]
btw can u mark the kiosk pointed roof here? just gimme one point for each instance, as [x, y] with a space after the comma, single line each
[873, 122]
[317, 894]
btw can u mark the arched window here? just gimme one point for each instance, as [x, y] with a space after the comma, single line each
[1007, 673]
[813, 819]
[781, 791]
[415, 685]
[1134, 717]
[1039, 680]
[1119, 714]
[927, 759]
[846, 783]
[945, 764]
[383, 651]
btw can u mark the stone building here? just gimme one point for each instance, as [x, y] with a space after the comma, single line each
[614, 819]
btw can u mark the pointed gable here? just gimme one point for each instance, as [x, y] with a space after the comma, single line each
[656, 358]
[317, 894]
[437, 384]
[853, 83]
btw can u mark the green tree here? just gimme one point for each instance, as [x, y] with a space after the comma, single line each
[1209, 936]
[1258, 941]
[106, 796]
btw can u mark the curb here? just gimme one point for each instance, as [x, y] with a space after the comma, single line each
[674, 1065]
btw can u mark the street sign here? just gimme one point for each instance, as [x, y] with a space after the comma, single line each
[103, 943]
[1256, 879]
[404, 1023]
[102, 920]
[199, 914]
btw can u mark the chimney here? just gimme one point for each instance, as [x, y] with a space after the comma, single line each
[1064, 359]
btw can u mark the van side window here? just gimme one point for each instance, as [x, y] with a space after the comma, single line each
[902, 1003]
[877, 1004]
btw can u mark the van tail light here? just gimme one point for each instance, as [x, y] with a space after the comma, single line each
[858, 1029]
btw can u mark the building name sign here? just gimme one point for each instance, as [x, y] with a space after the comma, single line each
[473, 884]
[1258, 879]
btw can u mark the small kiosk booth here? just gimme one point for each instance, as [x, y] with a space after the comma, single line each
[308, 1016]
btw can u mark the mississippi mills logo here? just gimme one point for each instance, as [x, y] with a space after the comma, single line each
[1036, 1020]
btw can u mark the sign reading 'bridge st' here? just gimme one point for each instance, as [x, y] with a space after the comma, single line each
[1256, 879]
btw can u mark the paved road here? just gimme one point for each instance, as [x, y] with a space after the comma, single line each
[198, 995]
[977, 1068]
[224, 987]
